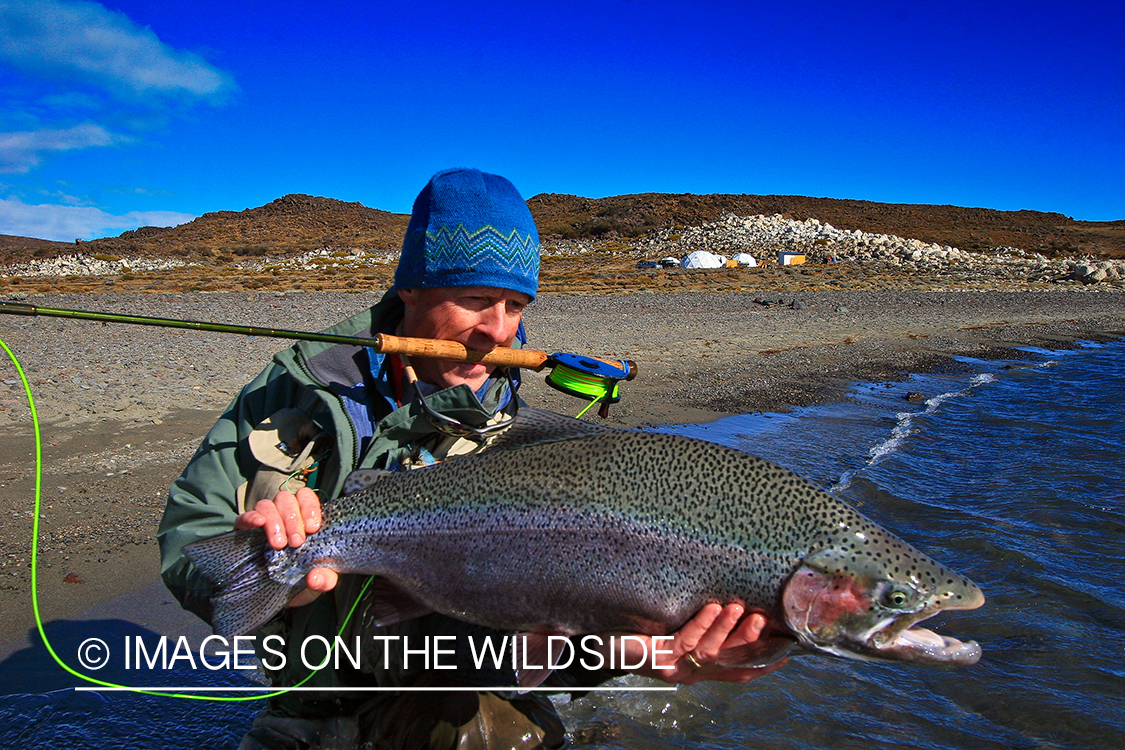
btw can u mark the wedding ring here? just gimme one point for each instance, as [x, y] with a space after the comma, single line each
[693, 661]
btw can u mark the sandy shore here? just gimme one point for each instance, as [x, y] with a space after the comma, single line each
[123, 407]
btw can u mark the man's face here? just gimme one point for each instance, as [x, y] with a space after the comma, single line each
[480, 317]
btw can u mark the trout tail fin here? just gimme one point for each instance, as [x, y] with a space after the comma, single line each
[244, 596]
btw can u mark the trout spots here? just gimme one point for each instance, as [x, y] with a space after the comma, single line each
[568, 526]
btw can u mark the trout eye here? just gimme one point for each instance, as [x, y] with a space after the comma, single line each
[897, 597]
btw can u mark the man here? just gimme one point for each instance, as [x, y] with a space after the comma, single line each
[469, 266]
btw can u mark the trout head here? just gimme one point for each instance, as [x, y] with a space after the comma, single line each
[862, 600]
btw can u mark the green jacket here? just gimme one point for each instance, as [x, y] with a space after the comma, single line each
[308, 386]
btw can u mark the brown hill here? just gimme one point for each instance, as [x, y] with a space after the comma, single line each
[291, 224]
[14, 242]
[298, 223]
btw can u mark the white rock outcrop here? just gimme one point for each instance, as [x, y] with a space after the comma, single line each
[765, 236]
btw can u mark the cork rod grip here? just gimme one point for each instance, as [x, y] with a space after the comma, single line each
[458, 352]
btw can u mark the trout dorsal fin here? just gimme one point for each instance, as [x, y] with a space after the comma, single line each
[361, 479]
[387, 604]
[760, 653]
[538, 426]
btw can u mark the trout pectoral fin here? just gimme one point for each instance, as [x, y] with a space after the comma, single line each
[761, 653]
[387, 604]
[537, 654]
[361, 479]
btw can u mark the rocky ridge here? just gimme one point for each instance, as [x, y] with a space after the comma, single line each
[761, 236]
[79, 264]
[975, 229]
[822, 243]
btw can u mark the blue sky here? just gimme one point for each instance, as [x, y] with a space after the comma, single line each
[119, 114]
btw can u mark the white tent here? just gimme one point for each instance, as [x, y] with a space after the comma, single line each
[702, 259]
[745, 259]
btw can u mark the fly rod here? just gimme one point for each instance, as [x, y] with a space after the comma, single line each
[579, 376]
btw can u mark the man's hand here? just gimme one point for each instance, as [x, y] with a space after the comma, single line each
[713, 629]
[287, 520]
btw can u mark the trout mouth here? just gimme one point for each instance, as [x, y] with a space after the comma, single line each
[850, 617]
[900, 640]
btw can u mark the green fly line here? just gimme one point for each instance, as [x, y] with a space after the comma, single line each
[583, 385]
[35, 579]
[570, 374]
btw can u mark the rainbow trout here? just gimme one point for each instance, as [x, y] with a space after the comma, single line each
[566, 527]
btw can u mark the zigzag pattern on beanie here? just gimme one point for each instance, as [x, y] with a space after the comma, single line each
[461, 249]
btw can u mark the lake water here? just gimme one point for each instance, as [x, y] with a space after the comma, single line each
[1011, 472]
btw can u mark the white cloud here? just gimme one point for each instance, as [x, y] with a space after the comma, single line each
[86, 41]
[66, 223]
[19, 152]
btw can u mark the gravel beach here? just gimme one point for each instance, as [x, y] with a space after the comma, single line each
[123, 407]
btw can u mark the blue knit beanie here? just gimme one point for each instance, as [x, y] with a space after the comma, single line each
[469, 228]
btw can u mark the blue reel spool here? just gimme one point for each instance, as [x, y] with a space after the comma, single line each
[590, 379]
